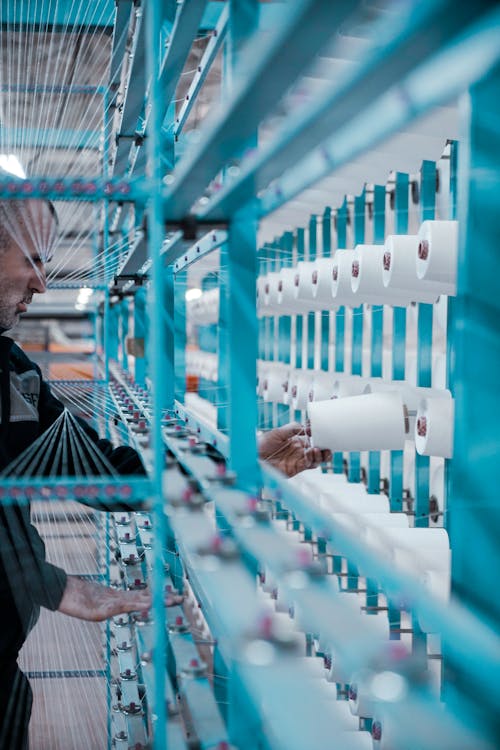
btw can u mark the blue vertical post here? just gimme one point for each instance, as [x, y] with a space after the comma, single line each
[140, 334]
[354, 474]
[242, 339]
[179, 283]
[326, 251]
[424, 347]
[261, 406]
[450, 319]
[341, 227]
[111, 323]
[284, 324]
[272, 331]
[105, 173]
[158, 359]
[124, 321]
[300, 320]
[377, 342]
[311, 317]
[242, 347]
[473, 508]
[401, 196]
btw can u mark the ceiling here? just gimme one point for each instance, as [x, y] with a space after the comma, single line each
[61, 82]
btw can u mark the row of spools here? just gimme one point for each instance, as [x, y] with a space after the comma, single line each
[405, 269]
[352, 413]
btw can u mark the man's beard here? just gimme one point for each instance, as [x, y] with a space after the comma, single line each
[9, 316]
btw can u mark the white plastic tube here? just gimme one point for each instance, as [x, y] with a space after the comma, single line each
[399, 274]
[366, 277]
[341, 278]
[372, 421]
[434, 427]
[437, 254]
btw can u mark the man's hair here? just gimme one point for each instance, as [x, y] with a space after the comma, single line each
[14, 215]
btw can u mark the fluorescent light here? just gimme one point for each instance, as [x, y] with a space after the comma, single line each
[84, 296]
[193, 293]
[11, 164]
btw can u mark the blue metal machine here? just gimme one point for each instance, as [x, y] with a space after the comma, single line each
[222, 525]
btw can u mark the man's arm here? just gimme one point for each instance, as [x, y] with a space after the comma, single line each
[289, 449]
[91, 601]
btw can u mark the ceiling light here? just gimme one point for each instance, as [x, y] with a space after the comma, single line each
[193, 293]
[11, 164]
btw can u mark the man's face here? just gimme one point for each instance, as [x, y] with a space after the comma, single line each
[22, 271]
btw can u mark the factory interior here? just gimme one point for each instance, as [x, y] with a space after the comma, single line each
[274, 275]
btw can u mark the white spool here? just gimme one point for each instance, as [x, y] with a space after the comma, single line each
[441, 312]
[322, 284]
[399, 274]
[303, 286]
[409, 469]
[372, 421]
[434, 427]
[273, 385]
[366, 277]
[322, 386]
[418, 549]
[286, 385]
[361, 702]
[300, 388]
[439, 371]
[436, 486]
[261, 282]
[348, 385]
[353, 500]
[437, 254]
[438, 583]
[384, 520]
[286, 302]
[411, 395]
[271, 293]
[345, 718]
[327, 482]
[341, 278]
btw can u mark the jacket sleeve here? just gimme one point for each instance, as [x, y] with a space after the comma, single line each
[32, 580]
[124, 459]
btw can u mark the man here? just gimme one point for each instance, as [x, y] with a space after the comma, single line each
[28, 408]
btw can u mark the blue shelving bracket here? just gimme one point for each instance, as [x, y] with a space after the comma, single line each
[326, 317]
[377, 320]
[255, 96]
[124, 328]
[311, 318]
[185, 28]
[359, 222]
[300, 320]
[424, 347]
[206, 62]
[242, 347]
[341, 220]
[401, 206]
[284, 324]
[158, 307]
[325, 129]
[473, 508]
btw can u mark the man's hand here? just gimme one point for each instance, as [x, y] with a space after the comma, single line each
[91, 601]
[289, 449]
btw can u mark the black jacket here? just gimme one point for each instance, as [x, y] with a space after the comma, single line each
[27, 580]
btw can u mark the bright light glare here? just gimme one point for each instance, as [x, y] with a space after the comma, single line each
[84, 296]
[389, 686]
[11, 164]
[192, 294]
